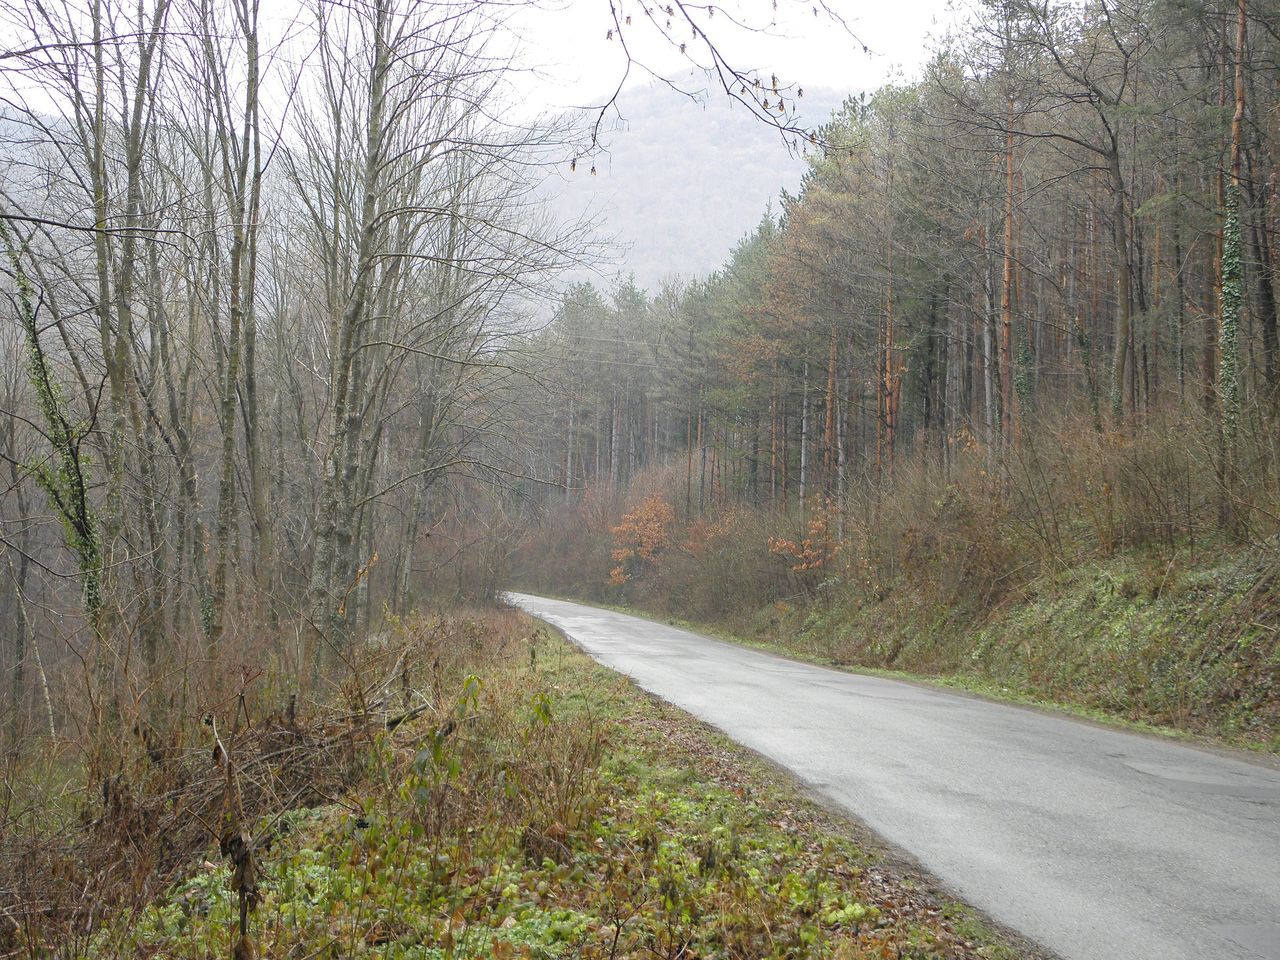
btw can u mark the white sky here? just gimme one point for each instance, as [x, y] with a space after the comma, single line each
[578, 66]
[674, 202]
[655, 207]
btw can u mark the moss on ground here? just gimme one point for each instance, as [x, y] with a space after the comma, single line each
[1141, 638]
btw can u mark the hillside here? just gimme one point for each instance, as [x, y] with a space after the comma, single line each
[681, 182]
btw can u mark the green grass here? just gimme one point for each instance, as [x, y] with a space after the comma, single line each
[1141, 639]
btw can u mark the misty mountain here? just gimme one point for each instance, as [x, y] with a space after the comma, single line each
[681, 182]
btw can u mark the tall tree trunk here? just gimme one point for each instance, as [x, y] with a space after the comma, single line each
[829, 426]
[1124, 283]
[1232, 296]
[1008, 399]
[332, 532]
[804, 432]
[990, 370]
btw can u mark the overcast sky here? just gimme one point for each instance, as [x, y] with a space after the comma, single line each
[681, 184]
[566, 39]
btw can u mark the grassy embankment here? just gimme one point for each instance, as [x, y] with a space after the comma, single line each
[1191, 649]
[546, 808]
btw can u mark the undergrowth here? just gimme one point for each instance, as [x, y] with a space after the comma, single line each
[1193, 647]
[547, 809]
[1085, 567]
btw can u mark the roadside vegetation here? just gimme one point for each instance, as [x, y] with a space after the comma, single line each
[519, 801]
[1089, 572]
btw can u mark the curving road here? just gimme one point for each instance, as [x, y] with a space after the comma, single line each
[1098, 844]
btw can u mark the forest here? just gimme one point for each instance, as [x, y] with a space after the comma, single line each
[293, 388]
[1002, 374]
[1071, 214]
[248, 340]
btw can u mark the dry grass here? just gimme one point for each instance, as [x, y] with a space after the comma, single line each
[551, 810]
[79, 848]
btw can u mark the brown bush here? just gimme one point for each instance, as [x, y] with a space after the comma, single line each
[80, 847]
[968, 535]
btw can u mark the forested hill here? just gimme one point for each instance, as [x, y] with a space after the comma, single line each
[682, 181]
[998, 384]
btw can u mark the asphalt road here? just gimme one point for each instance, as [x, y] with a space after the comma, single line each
[1098, 844]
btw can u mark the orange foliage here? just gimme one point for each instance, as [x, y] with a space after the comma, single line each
[703, 534]
[815, 551]
[640, 537]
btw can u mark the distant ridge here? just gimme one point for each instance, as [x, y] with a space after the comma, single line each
[682, 182]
